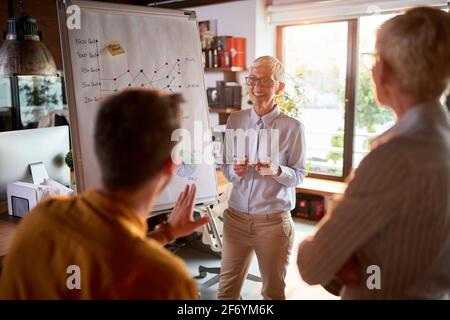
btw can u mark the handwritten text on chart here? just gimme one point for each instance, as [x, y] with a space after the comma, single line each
[91, 99]
[79, 41]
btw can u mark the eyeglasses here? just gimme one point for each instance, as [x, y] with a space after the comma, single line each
[263, 82]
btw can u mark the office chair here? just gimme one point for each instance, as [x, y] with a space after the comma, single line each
[212, 236]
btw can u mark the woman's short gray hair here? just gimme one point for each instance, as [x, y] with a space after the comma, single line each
[416, 46]
[275, 64]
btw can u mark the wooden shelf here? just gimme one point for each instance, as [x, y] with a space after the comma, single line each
[230, 74]
[225, 69]
[223, 110]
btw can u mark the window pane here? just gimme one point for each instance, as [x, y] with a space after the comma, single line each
[6, 121]
[315, 58]
[370, 119]
[39, 96]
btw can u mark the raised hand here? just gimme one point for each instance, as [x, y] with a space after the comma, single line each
[181, 222]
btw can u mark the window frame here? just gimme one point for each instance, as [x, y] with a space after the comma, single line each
[350, 83]
[350, 90]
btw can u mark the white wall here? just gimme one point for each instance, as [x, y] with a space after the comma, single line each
[241, 19]
[247, 19]
[265, 38]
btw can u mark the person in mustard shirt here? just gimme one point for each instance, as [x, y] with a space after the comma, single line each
[96, 245]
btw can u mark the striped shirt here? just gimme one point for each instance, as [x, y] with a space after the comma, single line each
[394, 214]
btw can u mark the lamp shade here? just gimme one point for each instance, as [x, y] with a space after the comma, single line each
[22, 52]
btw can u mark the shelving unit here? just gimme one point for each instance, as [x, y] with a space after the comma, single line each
[230, 74]
[223, 113]
[225, 69]
[223, 110]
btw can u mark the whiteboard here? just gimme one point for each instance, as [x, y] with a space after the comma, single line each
[161, 49]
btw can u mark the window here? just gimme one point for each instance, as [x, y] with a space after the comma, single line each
[319, 72]
[324, 66]
[25, 101]
[370, 119]
[6, 111]
[38, 96]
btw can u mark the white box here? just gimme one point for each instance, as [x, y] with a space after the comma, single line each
[22, 197]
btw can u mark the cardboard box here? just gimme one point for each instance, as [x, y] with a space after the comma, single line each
[237, 48]
[22, 197]
[310, 207]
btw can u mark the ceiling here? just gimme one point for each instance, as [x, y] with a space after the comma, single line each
[174, 4]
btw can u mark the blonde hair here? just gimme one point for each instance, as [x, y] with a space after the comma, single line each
[275, 64]
[416, 46]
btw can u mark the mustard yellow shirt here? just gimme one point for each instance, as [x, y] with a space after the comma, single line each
[105, 241]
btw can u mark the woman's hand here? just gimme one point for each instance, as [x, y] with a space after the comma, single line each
[240, 166]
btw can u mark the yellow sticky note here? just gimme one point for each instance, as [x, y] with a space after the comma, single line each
[115, 48]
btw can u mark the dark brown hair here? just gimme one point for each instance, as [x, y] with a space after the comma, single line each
[133, 136]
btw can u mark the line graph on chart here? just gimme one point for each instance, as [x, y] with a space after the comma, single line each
[100, 80]
[163, 78]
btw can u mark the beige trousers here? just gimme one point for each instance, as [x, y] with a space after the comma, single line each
[270, 236]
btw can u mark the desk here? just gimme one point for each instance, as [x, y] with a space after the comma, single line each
[8, 223]
[312, 186]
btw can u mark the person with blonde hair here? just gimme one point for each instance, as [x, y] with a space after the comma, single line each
[258, 219]
[389, 235]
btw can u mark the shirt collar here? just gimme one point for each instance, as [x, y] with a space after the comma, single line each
[267, 118]
[408, 123]
[114, 210]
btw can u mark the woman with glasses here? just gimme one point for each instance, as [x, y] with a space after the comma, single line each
[264, 173]
[389, 236]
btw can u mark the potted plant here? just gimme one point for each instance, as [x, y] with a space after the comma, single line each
[69, 162]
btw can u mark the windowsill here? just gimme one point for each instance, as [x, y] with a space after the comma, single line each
[309, 185]
[321, 187]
